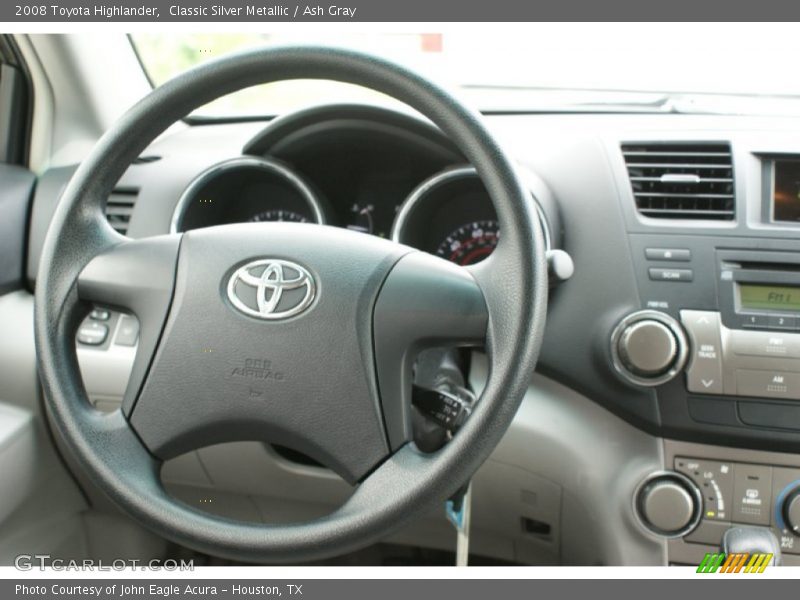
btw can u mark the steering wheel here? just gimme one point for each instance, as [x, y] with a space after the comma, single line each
[325, 369]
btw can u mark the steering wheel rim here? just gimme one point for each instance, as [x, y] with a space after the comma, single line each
[81, 247]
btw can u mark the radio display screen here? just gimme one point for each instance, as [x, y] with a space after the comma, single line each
[769, 297]
[786, 190]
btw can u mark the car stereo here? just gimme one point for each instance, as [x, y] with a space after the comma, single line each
[751, 347]
[759, 289]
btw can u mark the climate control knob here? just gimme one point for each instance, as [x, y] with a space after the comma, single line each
[791, 510]
[648, 348]
[668, 504]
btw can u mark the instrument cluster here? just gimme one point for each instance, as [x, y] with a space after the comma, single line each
[449, 214]
[369, 177]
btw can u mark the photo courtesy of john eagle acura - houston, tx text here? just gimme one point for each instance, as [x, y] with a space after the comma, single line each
[512, 295]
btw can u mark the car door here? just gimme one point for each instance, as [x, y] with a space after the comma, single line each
[40, 505]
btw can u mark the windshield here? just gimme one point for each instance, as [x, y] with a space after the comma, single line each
[536, 67]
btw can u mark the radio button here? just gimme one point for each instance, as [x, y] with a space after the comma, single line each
[704, 375]
[755, 321]
[764, 343]
[671, 274]
[781, 322]
[668, 254]
[768, 384]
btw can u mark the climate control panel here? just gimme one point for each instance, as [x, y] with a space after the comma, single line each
[734, 493]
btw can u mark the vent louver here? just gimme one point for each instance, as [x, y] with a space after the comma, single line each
[120, 207]
[681, 180]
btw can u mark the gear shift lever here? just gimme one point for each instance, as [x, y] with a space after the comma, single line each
[752, 540]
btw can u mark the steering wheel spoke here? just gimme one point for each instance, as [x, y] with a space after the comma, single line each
[136, 276]
[425, 302]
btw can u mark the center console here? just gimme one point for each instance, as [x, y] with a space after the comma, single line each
[722, 488]
[717, 341]
[721, 349]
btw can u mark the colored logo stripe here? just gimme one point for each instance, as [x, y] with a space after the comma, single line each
[758, 563]
[711, 563]
[734, 563]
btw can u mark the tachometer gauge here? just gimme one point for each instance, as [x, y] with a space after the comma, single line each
[278, 214]
[470, 243]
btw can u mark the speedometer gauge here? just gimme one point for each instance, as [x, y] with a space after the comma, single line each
[470, 243]
[279, 215]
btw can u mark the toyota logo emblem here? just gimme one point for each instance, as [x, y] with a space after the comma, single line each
[271, 289]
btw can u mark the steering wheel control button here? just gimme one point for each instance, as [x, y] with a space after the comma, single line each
[752, 494]
[648, 348]
[100, 314]
[92, 333]
[704, 374]
[668, 254]
[657, 274]
[271, 289]
[668, 504]
[127, 332]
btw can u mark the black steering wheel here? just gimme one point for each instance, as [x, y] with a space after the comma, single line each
[325, 368]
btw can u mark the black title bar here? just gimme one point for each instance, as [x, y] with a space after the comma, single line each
[83, 11]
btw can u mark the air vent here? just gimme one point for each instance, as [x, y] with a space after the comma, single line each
[681, 180]
[120, 207]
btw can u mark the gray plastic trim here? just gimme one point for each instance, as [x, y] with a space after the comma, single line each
[257, 162]
[18, 457]
[444, 178]
[15, 197]
[691, 488]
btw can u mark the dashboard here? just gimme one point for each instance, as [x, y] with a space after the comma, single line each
[361, 168]
[681, 322]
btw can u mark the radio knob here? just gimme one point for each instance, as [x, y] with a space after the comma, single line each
[649, 348]
[791, 510]
[668, 504]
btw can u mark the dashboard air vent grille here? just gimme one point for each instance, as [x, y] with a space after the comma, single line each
[681, 180]
[120, 207]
